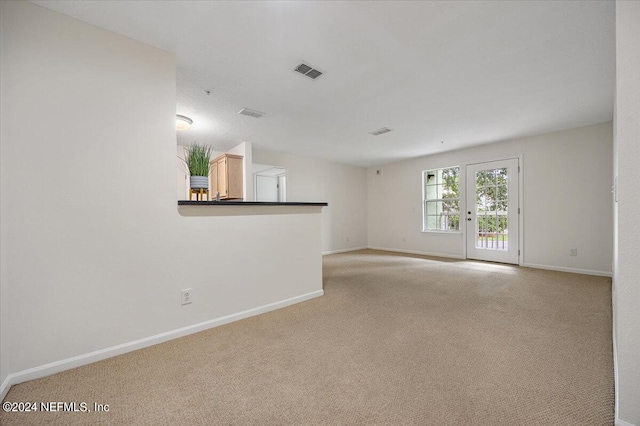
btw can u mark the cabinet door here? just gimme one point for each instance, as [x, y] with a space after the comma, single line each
[236, 177]
[223, 182]
[213, 179]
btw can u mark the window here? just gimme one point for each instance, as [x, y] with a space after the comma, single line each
[441, 199]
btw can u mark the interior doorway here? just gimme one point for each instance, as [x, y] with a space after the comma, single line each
[271, 185]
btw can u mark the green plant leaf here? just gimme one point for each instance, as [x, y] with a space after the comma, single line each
[197, 158]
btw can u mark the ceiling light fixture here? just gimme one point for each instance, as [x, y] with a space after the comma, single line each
[183, 122]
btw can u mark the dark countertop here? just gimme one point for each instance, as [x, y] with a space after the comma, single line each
[245, 203]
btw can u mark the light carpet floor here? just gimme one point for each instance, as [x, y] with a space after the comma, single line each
[395, 340]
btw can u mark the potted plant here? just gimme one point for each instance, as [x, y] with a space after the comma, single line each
[197, 159]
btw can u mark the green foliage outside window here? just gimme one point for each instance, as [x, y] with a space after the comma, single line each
[442, 199]
[491, 200]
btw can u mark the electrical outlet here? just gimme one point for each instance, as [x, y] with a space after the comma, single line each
[404, 240]
[186, 296]
[573, 252]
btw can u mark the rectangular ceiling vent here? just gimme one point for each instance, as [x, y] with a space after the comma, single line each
[308, 71]
[380, 131]
[251, 113]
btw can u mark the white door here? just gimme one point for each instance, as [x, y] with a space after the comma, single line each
[266, 188]
[492, 211]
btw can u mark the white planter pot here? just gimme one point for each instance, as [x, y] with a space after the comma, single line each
[198, 182]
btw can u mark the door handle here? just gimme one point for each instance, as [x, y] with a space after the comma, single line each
[469, 219]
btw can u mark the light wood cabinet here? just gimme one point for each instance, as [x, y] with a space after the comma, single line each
[226, 176]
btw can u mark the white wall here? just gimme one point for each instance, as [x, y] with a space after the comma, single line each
[245, 149]
[343, 187]
[626, 282]
[94, 251]
[567, 199]
[92, 263]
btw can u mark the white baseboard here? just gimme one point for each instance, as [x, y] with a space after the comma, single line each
[528, 265]
[572, 270]
[91, 357]
[325, 253]
[453, 256]
[623, 423]
[422, 253]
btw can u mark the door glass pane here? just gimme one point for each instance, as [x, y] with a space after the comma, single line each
[491, 209]
[501, 176]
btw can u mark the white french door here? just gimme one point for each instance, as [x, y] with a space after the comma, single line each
[492, 211]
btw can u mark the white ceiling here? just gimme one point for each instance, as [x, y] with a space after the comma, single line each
[465, 73]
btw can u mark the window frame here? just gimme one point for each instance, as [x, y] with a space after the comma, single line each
[425, 200]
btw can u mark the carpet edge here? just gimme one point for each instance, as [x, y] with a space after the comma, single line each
[101, 354]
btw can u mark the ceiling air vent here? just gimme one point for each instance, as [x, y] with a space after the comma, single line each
[308, 71]
[380, 131]
[251, 113]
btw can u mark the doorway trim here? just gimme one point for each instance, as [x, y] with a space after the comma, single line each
[271, 171]
[521, 233]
